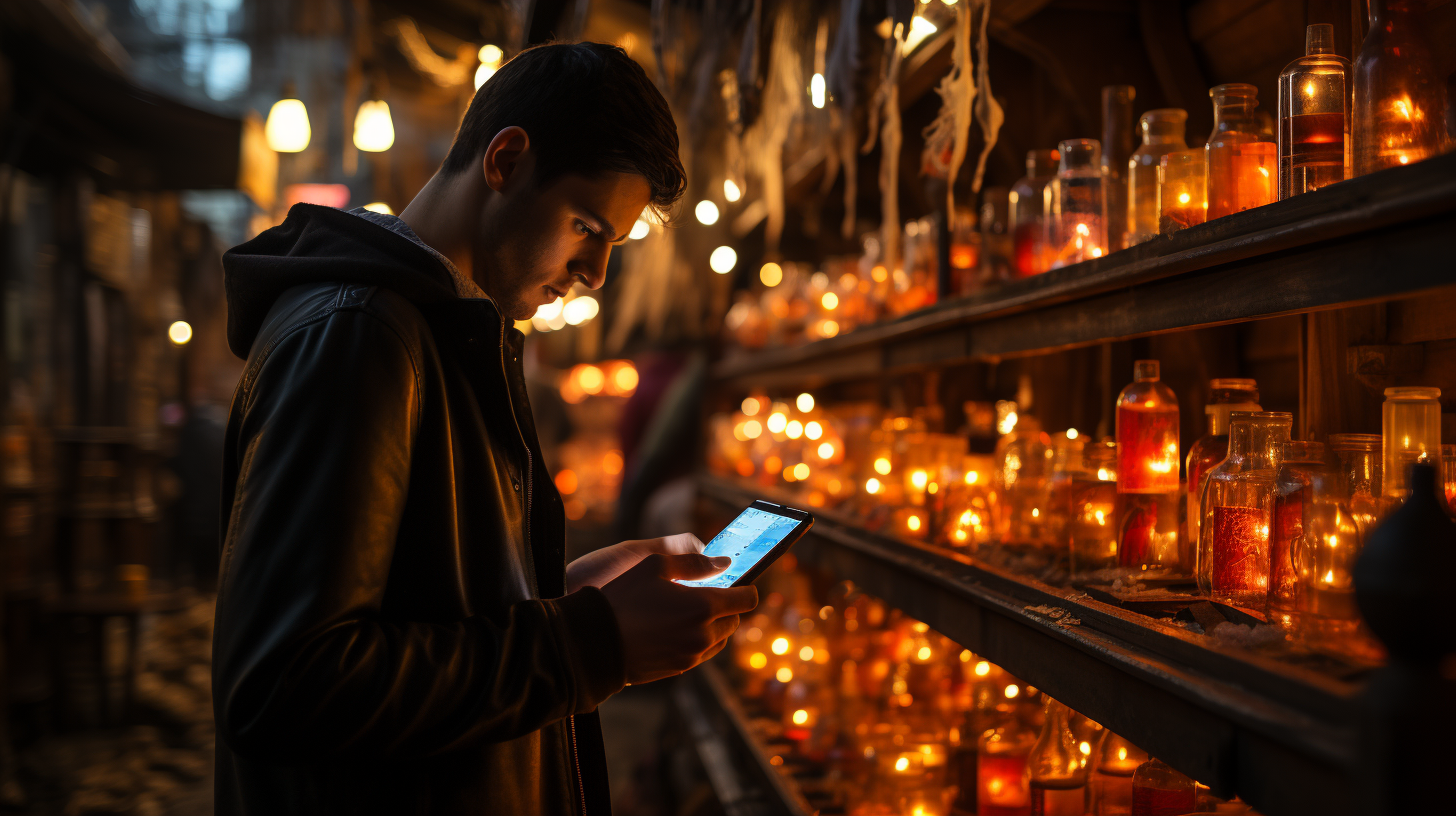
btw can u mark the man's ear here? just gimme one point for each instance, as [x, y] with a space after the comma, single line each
[503, 156]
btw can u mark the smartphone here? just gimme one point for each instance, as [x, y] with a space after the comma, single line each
[754, 540]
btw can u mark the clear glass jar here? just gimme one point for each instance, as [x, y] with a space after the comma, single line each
[1360, 476]
[1448, 476]
[971, 505]
[1238, 507]
[1163, 133]
[1410, 430]
[1027, 221]
[1110, 783]
[1232, 156]
[1182, 191]
[1092, 509]
[1117, 134]
[995, 234]
[1158, 790]
[1314, 116]
[1226, 395]
[1302, 469]
[1023, 465]
[1058, 778]
[1076, 231]
[1066, 465]
[1399, 96]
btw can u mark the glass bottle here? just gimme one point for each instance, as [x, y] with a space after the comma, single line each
[995, 234]
[1003, 780]
[1092, 525]
[1238, 507]
[1021, 459]
[1147, 471]
[1448, 476]
[965, 253]
[1158, 790]
[1162, 131]
[1236, 175]
[1302, 468]
[1398, 95]
[1116, 150]
[1226, 395]
[1028, 226]
[1076, 231]
[1410, 429]
[1314, 116]
[1182, 191]
[1110, 785]
[1066, 465]
[1058, 781]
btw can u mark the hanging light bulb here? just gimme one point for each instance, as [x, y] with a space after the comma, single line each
[817, 90]
[287, 128]
[731, 191]
[373, 129]
[490, 61]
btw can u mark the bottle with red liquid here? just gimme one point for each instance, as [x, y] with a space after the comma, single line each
[1058, 779]
[1158, 790]
[1003, 778]
[1110, 785]
[1301, 471]
[1314, 116]
[1238, 510]
[1147, 471]
[1028, 229]
[1226, 395]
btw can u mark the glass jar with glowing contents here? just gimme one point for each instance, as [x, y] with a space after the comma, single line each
[1003, 777]
[1158, 790]
[1302, 472]
[1410, 428]
[1238, 507]
[1240, 170]
[1226, 395]
[1076, 230]
[1066, 463]
[1023, 457]
[1314, 116]
[1110, 783]
[1182, 191]
[1092, 504]
[1058, 780]
[1399, 96]
[971, 503]
[1162, 131]
[1027, 218]
[1147, 433]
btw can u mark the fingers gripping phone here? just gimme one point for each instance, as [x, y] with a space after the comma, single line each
[754, 540]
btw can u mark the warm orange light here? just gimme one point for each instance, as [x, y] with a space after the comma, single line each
[590, 378]
[784, 675]
[612, 462]
[757, 660]
[779, 646]
[625, 379]
[566, 481]
[751, 406]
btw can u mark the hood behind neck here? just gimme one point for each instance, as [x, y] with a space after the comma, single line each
[317, 244]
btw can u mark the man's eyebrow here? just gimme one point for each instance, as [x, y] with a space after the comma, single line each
[606, 226]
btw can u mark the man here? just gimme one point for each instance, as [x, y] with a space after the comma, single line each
[395, 630]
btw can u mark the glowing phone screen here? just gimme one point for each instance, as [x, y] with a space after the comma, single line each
[746, 540]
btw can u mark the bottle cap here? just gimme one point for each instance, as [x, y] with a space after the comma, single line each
[1319, 38]
[1144, 370]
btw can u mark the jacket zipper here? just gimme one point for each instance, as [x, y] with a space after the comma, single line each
[576, 761]
[530, 469]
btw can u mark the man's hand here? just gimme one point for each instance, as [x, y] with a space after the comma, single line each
[668, 628]
[599, 567]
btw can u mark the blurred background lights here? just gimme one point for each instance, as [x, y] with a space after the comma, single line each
[771, 274]
[287, 129]
[579, 310]
[707, 213]
[805, 402]
[731, 191]
[373, 129]
[723, 260]
[816, 90]
[490, 61]
[639, 230]
[379, 207]
[179, 332]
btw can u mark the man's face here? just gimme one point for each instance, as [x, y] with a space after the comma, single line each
[536, 241]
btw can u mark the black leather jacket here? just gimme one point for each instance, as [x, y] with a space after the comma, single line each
[392, 631]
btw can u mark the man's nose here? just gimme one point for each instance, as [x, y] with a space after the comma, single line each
[593, 269]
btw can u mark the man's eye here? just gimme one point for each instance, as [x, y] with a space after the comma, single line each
[583, 229]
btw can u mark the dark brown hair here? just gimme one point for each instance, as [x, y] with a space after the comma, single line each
[588, 109]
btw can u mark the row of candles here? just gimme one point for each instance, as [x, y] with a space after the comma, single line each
[878, 715]
[1256, 520]
[1090, 197]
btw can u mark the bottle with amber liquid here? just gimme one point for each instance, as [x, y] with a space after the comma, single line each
[1226, 395]
[1399, 98]
[1232, 155]
[1314, 116]
[1238, 510]
[1028, 228]
[1163, 133]
[1110, 784]
[1058, 780]
[1158, 790]
[1147, 471]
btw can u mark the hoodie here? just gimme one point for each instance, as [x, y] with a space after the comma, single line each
[393, 634]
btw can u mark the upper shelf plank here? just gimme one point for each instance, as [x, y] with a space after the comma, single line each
[1282, 737]
[1377, 237]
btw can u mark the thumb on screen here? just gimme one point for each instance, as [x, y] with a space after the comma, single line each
[692, 566]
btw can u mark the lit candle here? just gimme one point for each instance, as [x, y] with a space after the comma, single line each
[1255, 169]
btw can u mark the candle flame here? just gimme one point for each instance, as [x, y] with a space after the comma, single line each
[913, 523]
[882, 466]
[1184, 198]
[800, 717]
[902, 763]
[1309, 89]
[983, 668]
[780, 646]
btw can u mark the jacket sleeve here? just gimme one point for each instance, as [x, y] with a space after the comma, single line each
[304, 666]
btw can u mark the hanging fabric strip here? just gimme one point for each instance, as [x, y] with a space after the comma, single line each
[988, 110]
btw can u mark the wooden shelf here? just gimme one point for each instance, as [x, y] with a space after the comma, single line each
[743, 778]
[1377, 237]
[1283, 737]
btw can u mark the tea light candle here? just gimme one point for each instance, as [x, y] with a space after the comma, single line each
[1182, 191]
[1003, 783]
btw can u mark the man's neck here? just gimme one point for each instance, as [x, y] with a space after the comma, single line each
[441, 217]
